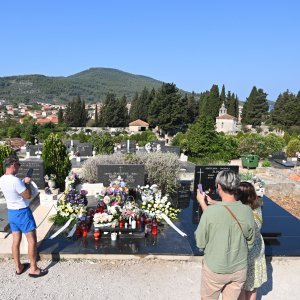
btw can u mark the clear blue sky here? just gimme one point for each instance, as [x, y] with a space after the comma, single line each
[192, 43]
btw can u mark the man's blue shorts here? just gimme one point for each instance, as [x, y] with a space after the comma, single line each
[21, 220]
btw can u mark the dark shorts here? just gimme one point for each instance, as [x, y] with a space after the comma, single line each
[21, 220]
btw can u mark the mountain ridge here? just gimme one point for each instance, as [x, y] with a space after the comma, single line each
[92, 84]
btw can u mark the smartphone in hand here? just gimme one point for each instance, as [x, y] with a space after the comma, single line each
[200, 188]
[29, 173]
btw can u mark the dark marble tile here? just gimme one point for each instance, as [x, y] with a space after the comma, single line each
[280, 229]
[167, 242]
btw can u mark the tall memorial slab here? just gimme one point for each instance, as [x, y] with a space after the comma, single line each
[128, 146]
[38, 170]
[84, 149]
[133, 175]
[206, 175]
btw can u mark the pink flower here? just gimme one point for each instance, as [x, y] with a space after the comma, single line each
[106, 200]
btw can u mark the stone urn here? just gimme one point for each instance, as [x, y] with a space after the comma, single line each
[51, 184]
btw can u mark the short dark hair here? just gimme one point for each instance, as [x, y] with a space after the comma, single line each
[229, 181]
[10, 160]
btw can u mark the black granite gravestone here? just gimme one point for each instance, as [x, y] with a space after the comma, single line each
[279, 160]
[181, 198]
[206, 175]
[38, 171]
[70, 147]
[128, 146]
[171, 149]
[133, 175]
[35, 150]
[278, 155]
[84, 149]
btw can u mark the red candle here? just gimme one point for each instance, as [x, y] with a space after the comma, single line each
[84, 230]
[154, 226]
[96, 234]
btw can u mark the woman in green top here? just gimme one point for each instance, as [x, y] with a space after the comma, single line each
[257, 271]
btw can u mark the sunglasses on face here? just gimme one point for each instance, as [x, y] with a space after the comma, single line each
[17, 164]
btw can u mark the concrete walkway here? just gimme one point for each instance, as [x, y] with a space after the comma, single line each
[134, 279]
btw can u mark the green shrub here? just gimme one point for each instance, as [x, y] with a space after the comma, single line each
[56, 159]
[160, 168]
[5, 151]
[103, 143]
[293, 147]
[266, 163]
[89, 170]
[260, 145]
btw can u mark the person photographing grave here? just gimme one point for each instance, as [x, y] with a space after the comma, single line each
[225, 233]
[17, 194]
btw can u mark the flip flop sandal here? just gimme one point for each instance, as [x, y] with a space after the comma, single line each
[42, 273]
[25, 268]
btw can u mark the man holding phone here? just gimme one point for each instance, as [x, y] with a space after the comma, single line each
[20, 217]
[225, 232]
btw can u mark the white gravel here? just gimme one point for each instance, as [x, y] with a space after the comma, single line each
[132, 279]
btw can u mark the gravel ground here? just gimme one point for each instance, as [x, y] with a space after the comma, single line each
[132, 279]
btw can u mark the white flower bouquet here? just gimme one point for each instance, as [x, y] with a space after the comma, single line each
[154, 203]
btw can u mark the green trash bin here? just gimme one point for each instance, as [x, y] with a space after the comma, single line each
[250, 161]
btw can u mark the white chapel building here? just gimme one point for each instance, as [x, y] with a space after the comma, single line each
[224, 122]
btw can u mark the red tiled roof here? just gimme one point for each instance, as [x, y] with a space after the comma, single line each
[226, 117]
[138, 122]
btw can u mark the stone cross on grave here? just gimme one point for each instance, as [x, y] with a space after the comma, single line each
[200, 179]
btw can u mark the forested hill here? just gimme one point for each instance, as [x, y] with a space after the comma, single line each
[92, 85]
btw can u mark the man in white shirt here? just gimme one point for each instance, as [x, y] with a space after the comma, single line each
[20, 217]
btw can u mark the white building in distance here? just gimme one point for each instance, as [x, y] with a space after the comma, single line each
[225, 122]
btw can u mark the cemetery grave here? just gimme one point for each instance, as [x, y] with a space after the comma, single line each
[281, 231]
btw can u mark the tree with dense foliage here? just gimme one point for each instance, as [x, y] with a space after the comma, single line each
[202, 139]
[108, 116]
[60, 116]
[5, 151]
[134, 112]
[293, 147]
[56, 159]
[232, 104]
[144, 137]
[286, 110]
[166, 109]
[211, 103]
[263, 146]
[192, 107]
[223, 95]
[122, 112]
[255, 108]
[103, 143]
[96, 122]
[75, 114]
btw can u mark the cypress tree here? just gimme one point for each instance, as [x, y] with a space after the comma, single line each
[96, 124]
[165, 110]
[212, 102]
[222, 95]
[255, 108]
[60, 116]
[134, 113]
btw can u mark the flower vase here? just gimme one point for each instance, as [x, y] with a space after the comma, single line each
[51, 184]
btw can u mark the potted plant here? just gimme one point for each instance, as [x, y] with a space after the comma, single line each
[50, 179]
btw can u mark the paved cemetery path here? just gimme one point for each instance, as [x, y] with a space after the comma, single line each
[133, 279]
